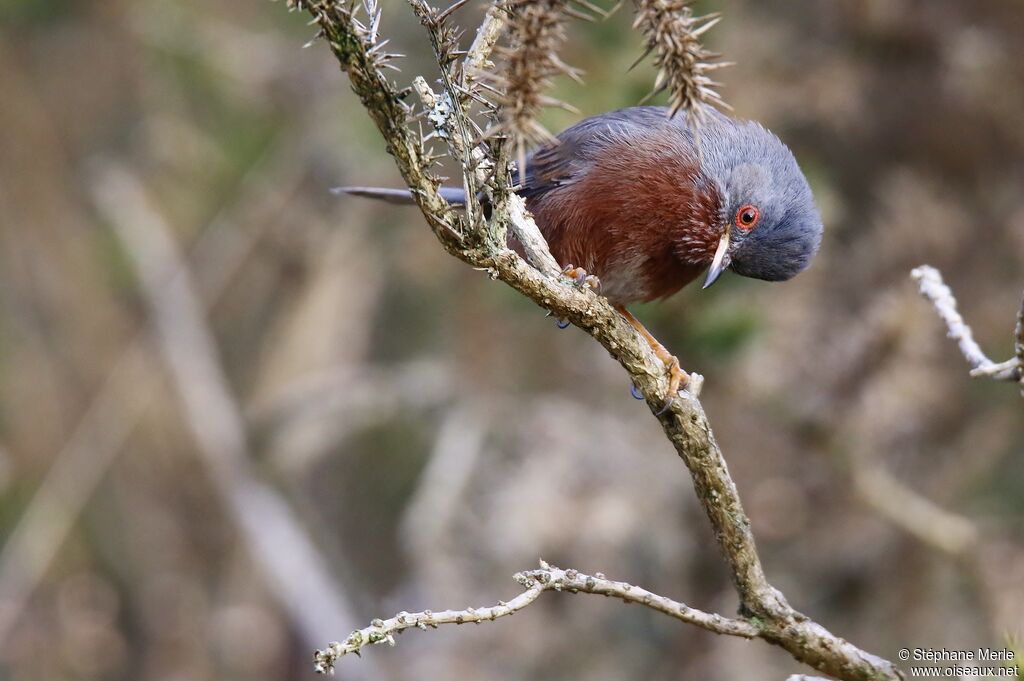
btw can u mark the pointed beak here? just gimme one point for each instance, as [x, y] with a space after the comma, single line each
[721, 261]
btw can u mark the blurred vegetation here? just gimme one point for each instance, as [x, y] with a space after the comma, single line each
[356, 349]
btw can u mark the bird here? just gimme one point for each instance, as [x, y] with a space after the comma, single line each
[637, 203]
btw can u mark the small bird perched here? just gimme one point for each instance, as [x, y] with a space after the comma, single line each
[645, 203]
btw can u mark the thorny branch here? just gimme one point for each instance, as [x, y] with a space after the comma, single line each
[764, 612]
[684, 65]
[935, 289]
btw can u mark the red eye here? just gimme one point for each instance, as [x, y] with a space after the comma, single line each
[747, 217]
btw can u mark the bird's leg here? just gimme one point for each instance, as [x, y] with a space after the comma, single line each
[677, 377]
[580, 278]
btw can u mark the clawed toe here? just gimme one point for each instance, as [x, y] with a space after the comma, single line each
[678, 379]
[580, 278]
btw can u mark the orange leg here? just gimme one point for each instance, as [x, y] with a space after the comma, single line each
[677, 377]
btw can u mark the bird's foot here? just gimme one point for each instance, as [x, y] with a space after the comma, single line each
[580, 279]
[677, 378]
[678, 381]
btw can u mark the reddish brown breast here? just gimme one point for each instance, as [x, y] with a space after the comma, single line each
[638, 215]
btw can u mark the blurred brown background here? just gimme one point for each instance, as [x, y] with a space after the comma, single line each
[359, 424]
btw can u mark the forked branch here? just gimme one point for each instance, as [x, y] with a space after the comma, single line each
[481, 243]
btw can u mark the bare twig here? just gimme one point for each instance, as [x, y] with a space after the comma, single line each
[454, 123]
[934, 289]
[534, 245]
[685, 424]
[535, 582]
[361, 56]
[77, 470]
[453, 105]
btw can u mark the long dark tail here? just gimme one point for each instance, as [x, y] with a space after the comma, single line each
[400, 196]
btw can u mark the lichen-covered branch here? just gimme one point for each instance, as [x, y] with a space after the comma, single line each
[764, 611]
[535, 582]
[933, 288]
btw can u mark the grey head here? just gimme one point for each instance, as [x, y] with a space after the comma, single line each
[771, 228]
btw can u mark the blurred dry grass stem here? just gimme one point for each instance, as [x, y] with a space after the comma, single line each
[294, 565]
[126, 393]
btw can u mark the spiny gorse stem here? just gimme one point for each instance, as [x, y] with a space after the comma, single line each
[529, 57]
[684, 65]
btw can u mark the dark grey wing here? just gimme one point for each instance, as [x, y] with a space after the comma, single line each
[566, 162]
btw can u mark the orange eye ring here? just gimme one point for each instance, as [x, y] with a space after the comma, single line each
[747, 217]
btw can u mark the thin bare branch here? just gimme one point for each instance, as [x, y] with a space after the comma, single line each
[1018, 340]
[353, 46]
[449, 113]
[535, 246]
[934, 289]
[535, 582]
